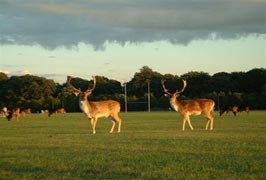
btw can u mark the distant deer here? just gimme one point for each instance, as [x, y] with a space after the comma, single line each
[191, 107]
[97, 109]
[235, 109]
[13, 113]
[4, 112]
[57, 111]
[25, 111]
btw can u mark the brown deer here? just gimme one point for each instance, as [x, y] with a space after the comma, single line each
[235, 109]
[97, 109]
[191, 107]
[57, 111]
[13, 113]
[25, 111]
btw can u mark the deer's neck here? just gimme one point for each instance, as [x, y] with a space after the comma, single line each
[174, 103]
[85, 106]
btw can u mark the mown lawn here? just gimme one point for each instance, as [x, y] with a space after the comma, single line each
[150, 146]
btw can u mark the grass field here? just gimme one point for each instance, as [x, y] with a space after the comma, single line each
[150, 146]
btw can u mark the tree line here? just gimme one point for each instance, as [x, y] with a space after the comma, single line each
[226, 89]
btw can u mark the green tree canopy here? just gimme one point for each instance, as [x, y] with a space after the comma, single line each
[41, 93]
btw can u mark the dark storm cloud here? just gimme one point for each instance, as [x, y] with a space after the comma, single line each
[58, 23]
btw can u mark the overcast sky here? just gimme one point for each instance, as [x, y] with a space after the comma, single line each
[115, 38]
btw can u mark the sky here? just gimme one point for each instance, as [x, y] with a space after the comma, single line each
[115, 38]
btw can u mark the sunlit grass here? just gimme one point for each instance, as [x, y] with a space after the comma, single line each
[150, 146]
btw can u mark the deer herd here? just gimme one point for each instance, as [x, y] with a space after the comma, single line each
[15, 113]
[111, 108]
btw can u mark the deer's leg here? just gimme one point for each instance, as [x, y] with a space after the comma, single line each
[209, 118]
[207, 124]
[211, 128]
[184, 122]
[94, 125]
[189, 123]
[119, 126]
[113, 126]
[118, 120]
[91, 122]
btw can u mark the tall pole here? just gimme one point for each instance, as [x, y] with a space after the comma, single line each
[149, 97]
[125, 86]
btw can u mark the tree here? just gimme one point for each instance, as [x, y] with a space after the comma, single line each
[24, 90]
[248, 88]
[139, 83]
[3, 79]
[198, 84]
[138, 87]
[255, 80]
[106, 86]
[238, 81]
[221, 82]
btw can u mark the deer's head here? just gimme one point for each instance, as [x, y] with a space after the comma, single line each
[82, 94]
[176, 93]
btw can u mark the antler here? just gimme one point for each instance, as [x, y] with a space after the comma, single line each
[69, 83]
[164, 89]
[184, 86]
[94, 84]
[167, 90]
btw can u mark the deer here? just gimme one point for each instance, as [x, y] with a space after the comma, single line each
[56, 111]
[235, 109]
[14, 113]
[4, 112]
[191, 107]
[25, 111]
[97, 109]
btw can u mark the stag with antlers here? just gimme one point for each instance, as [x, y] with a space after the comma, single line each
[191, 107]
[97, 109]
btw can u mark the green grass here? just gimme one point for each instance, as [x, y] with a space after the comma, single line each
[150, 146]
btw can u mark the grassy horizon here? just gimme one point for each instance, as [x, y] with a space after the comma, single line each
[150, 146]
